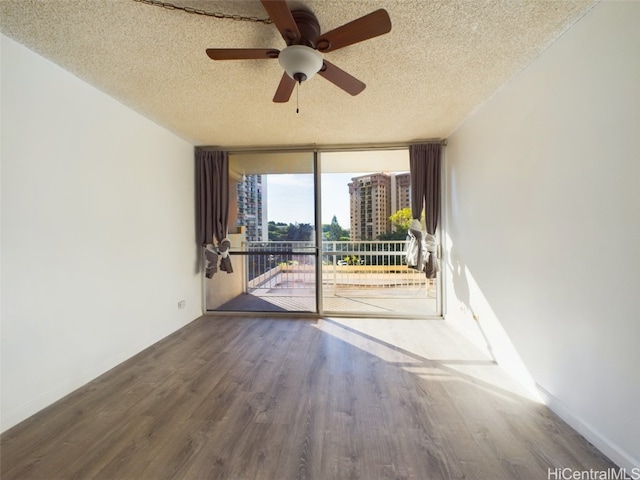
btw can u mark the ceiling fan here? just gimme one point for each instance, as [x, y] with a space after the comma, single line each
[300, 59]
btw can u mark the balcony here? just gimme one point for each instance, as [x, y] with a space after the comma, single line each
[358, 278]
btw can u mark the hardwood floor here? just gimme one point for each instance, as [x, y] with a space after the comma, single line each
[260, 398]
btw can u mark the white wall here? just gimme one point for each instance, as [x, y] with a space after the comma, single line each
[98, 241]
[543, 226]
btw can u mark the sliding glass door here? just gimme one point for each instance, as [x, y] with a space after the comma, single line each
[321, 233]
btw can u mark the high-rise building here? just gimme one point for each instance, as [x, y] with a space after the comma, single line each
[401, 188]
[252, 209]
[370, 206]
[373, 198]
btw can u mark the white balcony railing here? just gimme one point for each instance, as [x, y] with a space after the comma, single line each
[361, 265]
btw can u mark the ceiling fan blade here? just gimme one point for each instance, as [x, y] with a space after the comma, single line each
[342, 79]
[242, 53]
[285, 89]
[371, 25]
[283, 19]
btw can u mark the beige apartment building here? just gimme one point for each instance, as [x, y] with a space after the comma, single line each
[373, 199]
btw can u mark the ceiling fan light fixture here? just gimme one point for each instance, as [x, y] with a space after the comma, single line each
[300, 62]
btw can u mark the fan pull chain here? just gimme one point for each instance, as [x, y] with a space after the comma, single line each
[297, 97]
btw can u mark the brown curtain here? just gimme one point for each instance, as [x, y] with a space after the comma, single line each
[212, 207]
[424, 163]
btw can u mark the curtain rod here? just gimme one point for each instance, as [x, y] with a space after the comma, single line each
[324, 148]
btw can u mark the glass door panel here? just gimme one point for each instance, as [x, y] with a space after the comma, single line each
[366, 208]
[274, 248]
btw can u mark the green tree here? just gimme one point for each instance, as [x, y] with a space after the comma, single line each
[402, 219]
[333, 232]
[277, 231]
[397, 235]
[299, 232]
[336, 232]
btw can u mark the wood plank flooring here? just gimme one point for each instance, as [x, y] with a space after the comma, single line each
[260, 398]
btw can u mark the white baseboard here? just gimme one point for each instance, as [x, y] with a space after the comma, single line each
[616, 454]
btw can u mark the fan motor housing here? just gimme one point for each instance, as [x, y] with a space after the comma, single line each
[308, 25]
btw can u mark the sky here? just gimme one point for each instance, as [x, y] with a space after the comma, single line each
[290, 198]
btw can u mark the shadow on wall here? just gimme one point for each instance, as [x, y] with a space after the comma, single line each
[471, 313]
[458, 273]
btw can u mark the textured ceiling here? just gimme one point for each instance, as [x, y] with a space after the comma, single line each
[441, 60]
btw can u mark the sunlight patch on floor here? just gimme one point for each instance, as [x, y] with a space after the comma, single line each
[431, 349]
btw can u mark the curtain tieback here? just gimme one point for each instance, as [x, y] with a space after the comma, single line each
[211, 258]
[433, 265]
[431, 243]
[225, 261]
[224, 247]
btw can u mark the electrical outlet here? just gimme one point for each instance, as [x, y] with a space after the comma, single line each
[182, 304]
